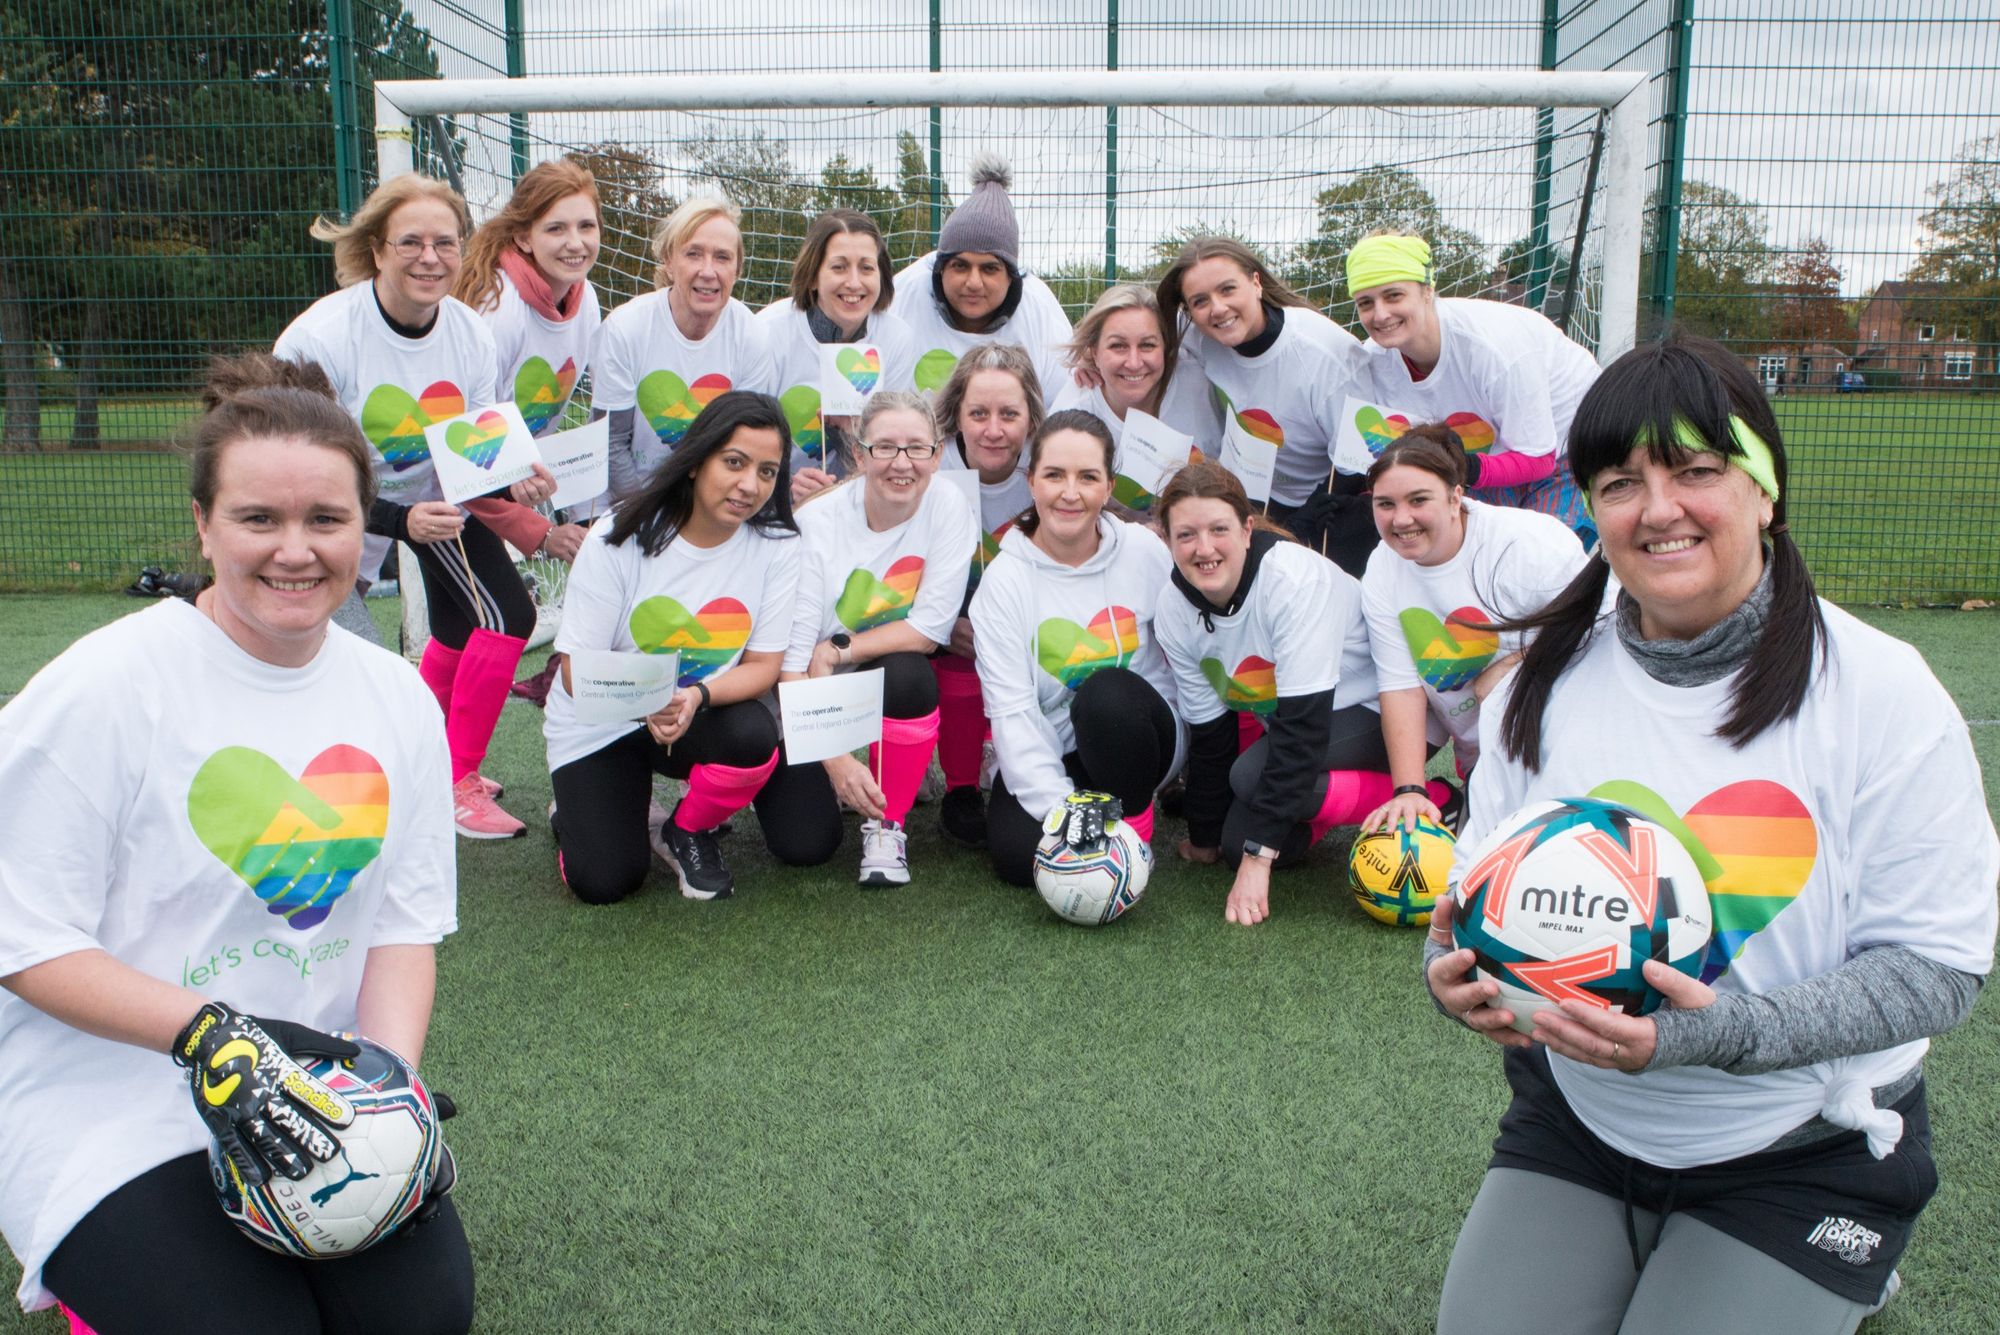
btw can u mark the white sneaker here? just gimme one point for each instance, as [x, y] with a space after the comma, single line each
[885, 858]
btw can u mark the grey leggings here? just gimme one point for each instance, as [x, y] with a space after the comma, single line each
[1541, 1256]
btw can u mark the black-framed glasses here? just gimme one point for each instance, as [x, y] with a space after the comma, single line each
[919, 452]
[413, 247]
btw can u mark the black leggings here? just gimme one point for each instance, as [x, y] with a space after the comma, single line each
[1354, 743]
[1125, 739]
[797, 808]
[491, 596]
[158, 1257]
[601, 799]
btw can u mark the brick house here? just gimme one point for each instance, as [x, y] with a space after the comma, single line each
[1896, 333]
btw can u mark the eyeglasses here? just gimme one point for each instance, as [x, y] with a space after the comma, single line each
[413, 247]
[918, 453]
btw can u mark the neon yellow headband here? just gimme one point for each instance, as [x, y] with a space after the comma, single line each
[1756, 459]
[1376, 260]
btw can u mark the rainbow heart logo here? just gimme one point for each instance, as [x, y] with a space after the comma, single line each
[478, 442]
[860, 367]
[670, 404]
[1070, 653]
[707, 641]
[394, 422]
[1449, 653]
[1252, 688]
[985, 552]
[297, 843]
[1474, 431]
[540, 391]
[1379, 430]
[867, 602]
[934, 368]
[1755, 845]
[801, 405]
[1260, 425]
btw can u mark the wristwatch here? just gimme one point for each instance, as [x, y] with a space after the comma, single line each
[841, 640]
[1253, 849]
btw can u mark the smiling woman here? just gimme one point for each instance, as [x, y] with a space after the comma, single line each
[294, 807]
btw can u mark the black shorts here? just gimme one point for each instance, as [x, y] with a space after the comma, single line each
[1829, 1210]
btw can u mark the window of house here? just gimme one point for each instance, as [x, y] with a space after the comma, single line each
[1958, 367]
[1770, 368]
[1926, 332]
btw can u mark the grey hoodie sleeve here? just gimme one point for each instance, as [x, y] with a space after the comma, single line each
[626, 477]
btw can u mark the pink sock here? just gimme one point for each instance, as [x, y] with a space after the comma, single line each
[717, 792]
[485, 675]
[902, 758]
[1248, 729]
[439, 668]
[1143, 823]
[1350, 795]
[961, 720]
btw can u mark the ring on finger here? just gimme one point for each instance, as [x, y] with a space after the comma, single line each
[1617, 1050]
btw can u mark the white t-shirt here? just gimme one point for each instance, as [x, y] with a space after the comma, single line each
[1862, 822]
[856, 579]
[1291, 394]
[1506, 372]
[643, 361]
[1041, 628]
[168, 825]
[540, 359]
[1000, 504]
[1299, 632]
[1511, 563]
[795, 355]
[713, 604]
[1037, 324]
[395, 386]
[1189, 407]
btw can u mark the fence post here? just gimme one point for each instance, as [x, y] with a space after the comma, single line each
[1667, 230]
[937, 125]
[1545, 151]
[346, 114]
[517, 66]
[1111, 151]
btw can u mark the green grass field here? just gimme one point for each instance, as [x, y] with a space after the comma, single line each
[819, 1108]
[1896, 498]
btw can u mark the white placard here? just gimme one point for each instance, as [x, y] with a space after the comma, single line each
[1353, 451]
[1253, 461]
[612, 686]
[830, 716]
[481, 451]
[848, 374]
[1150, 451]
[581, 460]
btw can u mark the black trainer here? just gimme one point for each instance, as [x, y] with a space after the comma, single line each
[962, 812]
[1452, 814]
[697, 862]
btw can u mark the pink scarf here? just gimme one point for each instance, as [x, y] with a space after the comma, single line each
[534, 288]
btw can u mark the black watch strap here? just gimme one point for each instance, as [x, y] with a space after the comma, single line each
[1419, 789]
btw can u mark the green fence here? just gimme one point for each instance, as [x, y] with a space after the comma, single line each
[1824, 197]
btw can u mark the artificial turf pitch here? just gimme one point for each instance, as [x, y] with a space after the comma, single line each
[816, 1107]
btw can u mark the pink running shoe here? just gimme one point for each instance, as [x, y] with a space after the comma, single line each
[494, 788]
[479, 816]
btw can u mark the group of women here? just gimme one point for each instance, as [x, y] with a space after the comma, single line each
[170, 858]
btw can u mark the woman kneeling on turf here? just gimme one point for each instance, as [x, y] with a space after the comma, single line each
[1258, 625]
[883, 578]
[1763, 1136]
[177, 845]
[700, 561]
[1075, 684]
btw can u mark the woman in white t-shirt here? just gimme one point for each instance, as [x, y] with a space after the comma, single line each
[882, 585]
[1121, 348]
[1763, 1136]
[1503, 376]
[987, 410]
[1079, 695]
[840, 295]
[662, 358]
[177, 845]
[403, 353]
[1257, 625]
[1448, 573]
[703, 563]
[1283, 372]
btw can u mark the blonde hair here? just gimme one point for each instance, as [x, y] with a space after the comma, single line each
[354, 241]
[540, 189]
[1009, 357]
[1080, 350]
[674, 231]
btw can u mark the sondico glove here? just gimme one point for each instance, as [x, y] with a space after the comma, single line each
[261, 1106]
[1083, 817]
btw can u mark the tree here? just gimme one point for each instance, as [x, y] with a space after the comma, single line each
[632, 200]
[1517, 265]
[1960, 247]
[1380, 199]
[1723, 263]
[1809, 306]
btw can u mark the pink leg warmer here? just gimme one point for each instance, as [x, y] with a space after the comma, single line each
[717, 792]
[902, 758]
[1248, 729]
[961, 719]
[1143, 823]
[1437, 790]
[439, 668]
[485, 675]
[1350, 795]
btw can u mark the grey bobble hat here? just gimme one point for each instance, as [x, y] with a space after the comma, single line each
[984, 224]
